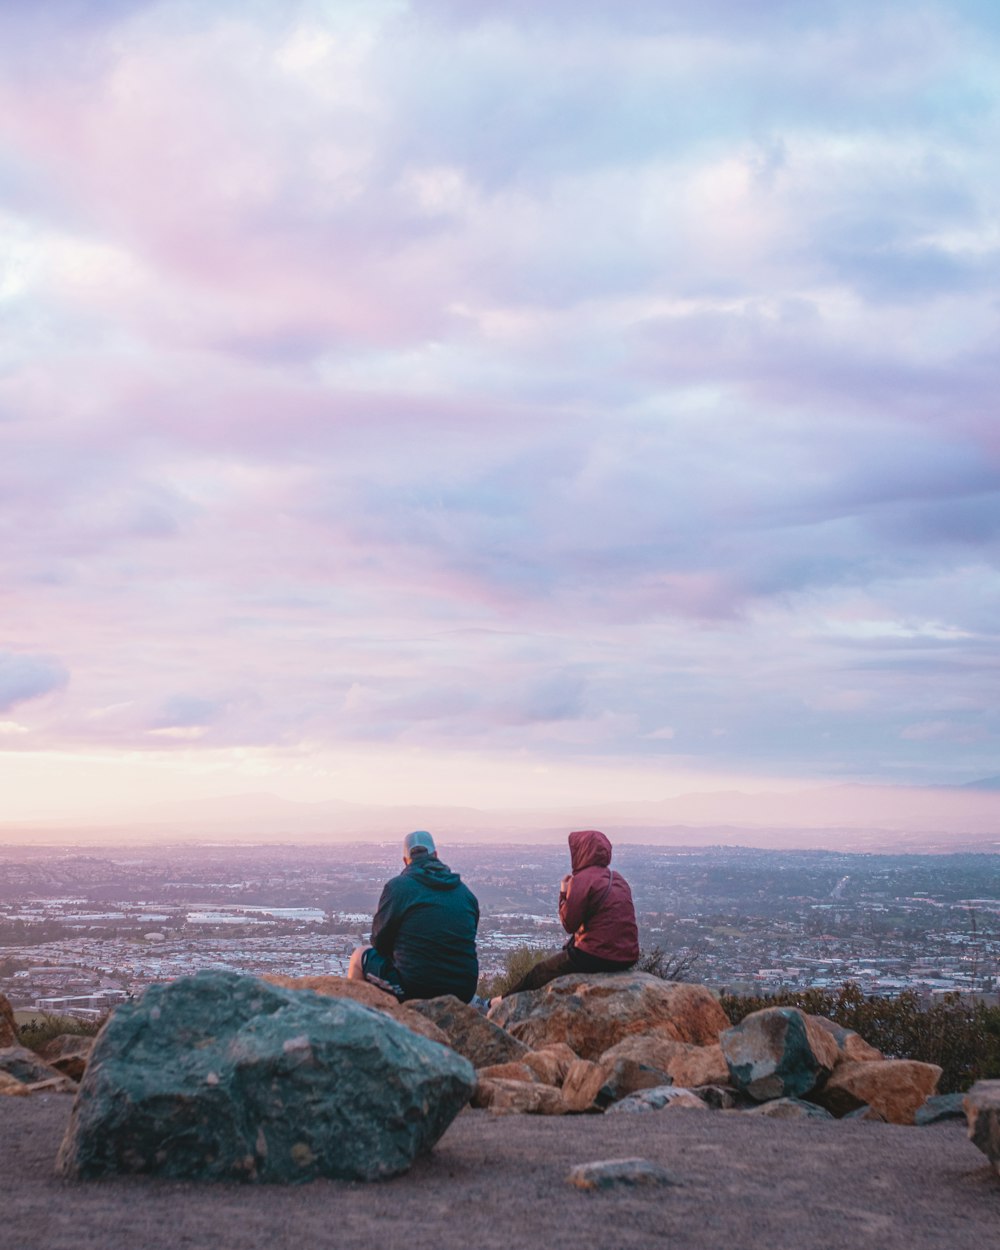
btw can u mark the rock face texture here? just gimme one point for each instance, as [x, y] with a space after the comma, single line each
[595, 1012]
[982, 1110]
[851, 1046]
[893, 1087]
[504, 1097]
[658, 1099]
[8, 1029]
[779, 1052]
[470, 1033]
[221, 1076]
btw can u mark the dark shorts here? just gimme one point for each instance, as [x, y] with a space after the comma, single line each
[382, 972]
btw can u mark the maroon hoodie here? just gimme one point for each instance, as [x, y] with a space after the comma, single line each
[596, 905]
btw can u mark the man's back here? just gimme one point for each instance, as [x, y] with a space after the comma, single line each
[426, 924]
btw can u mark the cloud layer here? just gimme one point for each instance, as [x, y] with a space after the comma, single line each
[611, 383]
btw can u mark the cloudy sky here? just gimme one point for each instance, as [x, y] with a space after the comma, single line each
[496, 401]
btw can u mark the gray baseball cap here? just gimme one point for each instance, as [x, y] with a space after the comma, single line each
[420, 841]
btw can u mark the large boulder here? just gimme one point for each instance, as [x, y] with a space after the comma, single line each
[8, 1026]
[685, 1064]
[895, 1088]
[592, 1013]
[367, 994]
[778, 1052]
[469, 1032]
[223, 1077]
[982, 1110]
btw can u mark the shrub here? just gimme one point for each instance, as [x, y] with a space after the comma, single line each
[44, 1027]
[658, 963]
[517, 963]
[962, 1038]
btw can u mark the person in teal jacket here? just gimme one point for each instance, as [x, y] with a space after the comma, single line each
[423, 939]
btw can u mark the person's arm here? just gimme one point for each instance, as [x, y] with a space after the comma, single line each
[573, 895]
[385, 923]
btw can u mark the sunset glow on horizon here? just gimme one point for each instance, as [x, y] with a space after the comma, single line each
[502, 404]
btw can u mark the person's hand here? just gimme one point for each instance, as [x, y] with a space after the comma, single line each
[564, 883]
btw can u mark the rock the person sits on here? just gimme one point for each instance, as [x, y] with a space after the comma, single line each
[596, 910]
[424, 931]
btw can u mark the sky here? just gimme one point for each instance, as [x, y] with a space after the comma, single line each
[496, 403]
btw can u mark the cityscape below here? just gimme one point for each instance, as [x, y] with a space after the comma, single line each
[83, 929]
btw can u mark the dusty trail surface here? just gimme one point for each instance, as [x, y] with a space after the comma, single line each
[499, 1182]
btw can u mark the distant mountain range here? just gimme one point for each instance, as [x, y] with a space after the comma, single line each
[848, 817]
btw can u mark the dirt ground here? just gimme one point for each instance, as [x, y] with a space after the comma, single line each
[500, 1182]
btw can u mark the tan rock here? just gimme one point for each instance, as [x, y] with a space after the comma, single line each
[546, 1066]
[685, 1064]
[661, 1098]
[564, 1056]
[851, 1046]
[508, 1072]
[369, 996]
[11, 1087]
[518, 1098]
[592, 1013]
[8, 1026]
[982, 1111]
[623, 1076]
[581, 1085]
[68, 1054]
[616, 1173]
[337, 987]
[893, 1087]
[475, 1037]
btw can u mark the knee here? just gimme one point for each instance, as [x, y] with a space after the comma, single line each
[355, 969]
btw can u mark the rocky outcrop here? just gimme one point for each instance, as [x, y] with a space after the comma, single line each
[595, 1012]
[471, 1034]
[778, 1052]
[551, 1063]
[368, 995]
[221, 1076]
[982, 1111]
[8, 1026]
[893, 1087]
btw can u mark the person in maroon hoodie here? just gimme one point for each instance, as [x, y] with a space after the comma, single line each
[596, 910]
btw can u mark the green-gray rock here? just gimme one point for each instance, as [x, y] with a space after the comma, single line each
[223, 1077]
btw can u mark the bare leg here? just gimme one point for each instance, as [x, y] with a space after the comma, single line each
[354, 970]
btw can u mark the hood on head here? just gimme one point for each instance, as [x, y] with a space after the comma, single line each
[589, 848]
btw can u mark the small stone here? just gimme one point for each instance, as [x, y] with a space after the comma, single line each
[508, 1072]
[11, 1087]
[982, 1110]
[613, 1173]
[25, 1065]
[661, 1098]
[790, 1109]
[717, 1097]
[867, 1114]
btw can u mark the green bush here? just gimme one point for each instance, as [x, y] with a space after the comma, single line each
[43, 1028]
[517, 964]
[962, 1038]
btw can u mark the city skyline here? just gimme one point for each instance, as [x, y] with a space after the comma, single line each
[512, 406]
